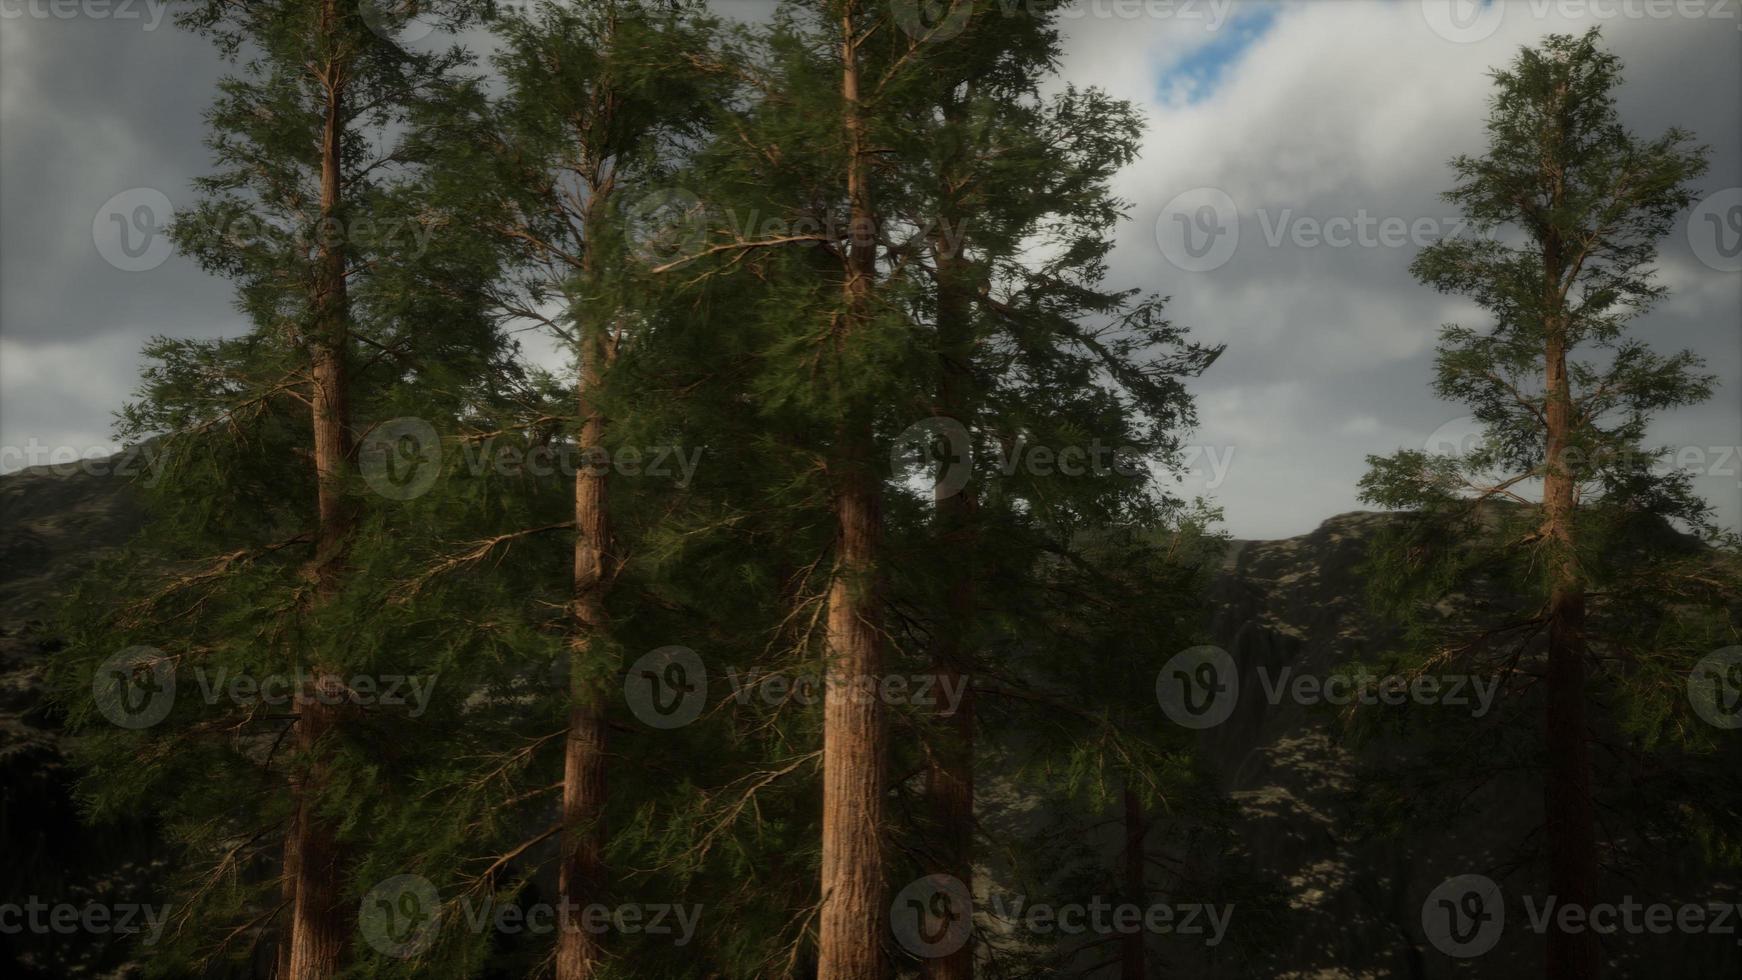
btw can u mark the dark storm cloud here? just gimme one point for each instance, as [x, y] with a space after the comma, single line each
[93, 108]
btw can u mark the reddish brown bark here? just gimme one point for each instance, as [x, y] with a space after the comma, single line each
[1570, 812]
[851, 930]
[288, 876]
[321, 927]
[581, 871]
[851, 923]
[321, 920]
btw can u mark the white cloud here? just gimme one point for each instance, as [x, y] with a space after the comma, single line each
[1350, 110]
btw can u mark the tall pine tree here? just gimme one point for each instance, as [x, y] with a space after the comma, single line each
[1569, 208]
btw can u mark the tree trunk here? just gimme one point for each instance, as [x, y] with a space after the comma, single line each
[321, 929]
[321, 920]
[1131, 947]
[851, 924]
[581, 875]
[851, 936]
[1570, 811]
[950, 764]
[288, 876]
[950, 773]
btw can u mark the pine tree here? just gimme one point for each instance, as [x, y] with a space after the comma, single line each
[1568, 207]
[597, 96]
[1027, 352]
[906, 178]
[834, 337]
[554, 174]
[260, 503]
[864, 363]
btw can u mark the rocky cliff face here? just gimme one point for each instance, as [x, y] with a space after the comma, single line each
[54, 521]
[1361, 901]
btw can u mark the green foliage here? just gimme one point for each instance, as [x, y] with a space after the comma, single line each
[668, 199]
[1569, 208]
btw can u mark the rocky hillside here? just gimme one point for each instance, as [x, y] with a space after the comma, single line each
[54, 522]
[1285, 609]
[1297, 608]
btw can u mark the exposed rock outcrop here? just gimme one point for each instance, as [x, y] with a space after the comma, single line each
[1297, 608]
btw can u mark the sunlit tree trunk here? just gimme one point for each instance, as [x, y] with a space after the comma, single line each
[851, 934]
[321, 919]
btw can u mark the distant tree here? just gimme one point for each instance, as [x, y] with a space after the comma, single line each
[1029, 354]
[1569, 208]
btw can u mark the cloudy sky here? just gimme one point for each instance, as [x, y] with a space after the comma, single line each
[1293, 163]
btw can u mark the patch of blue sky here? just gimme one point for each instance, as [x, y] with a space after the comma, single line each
[1195, 75]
